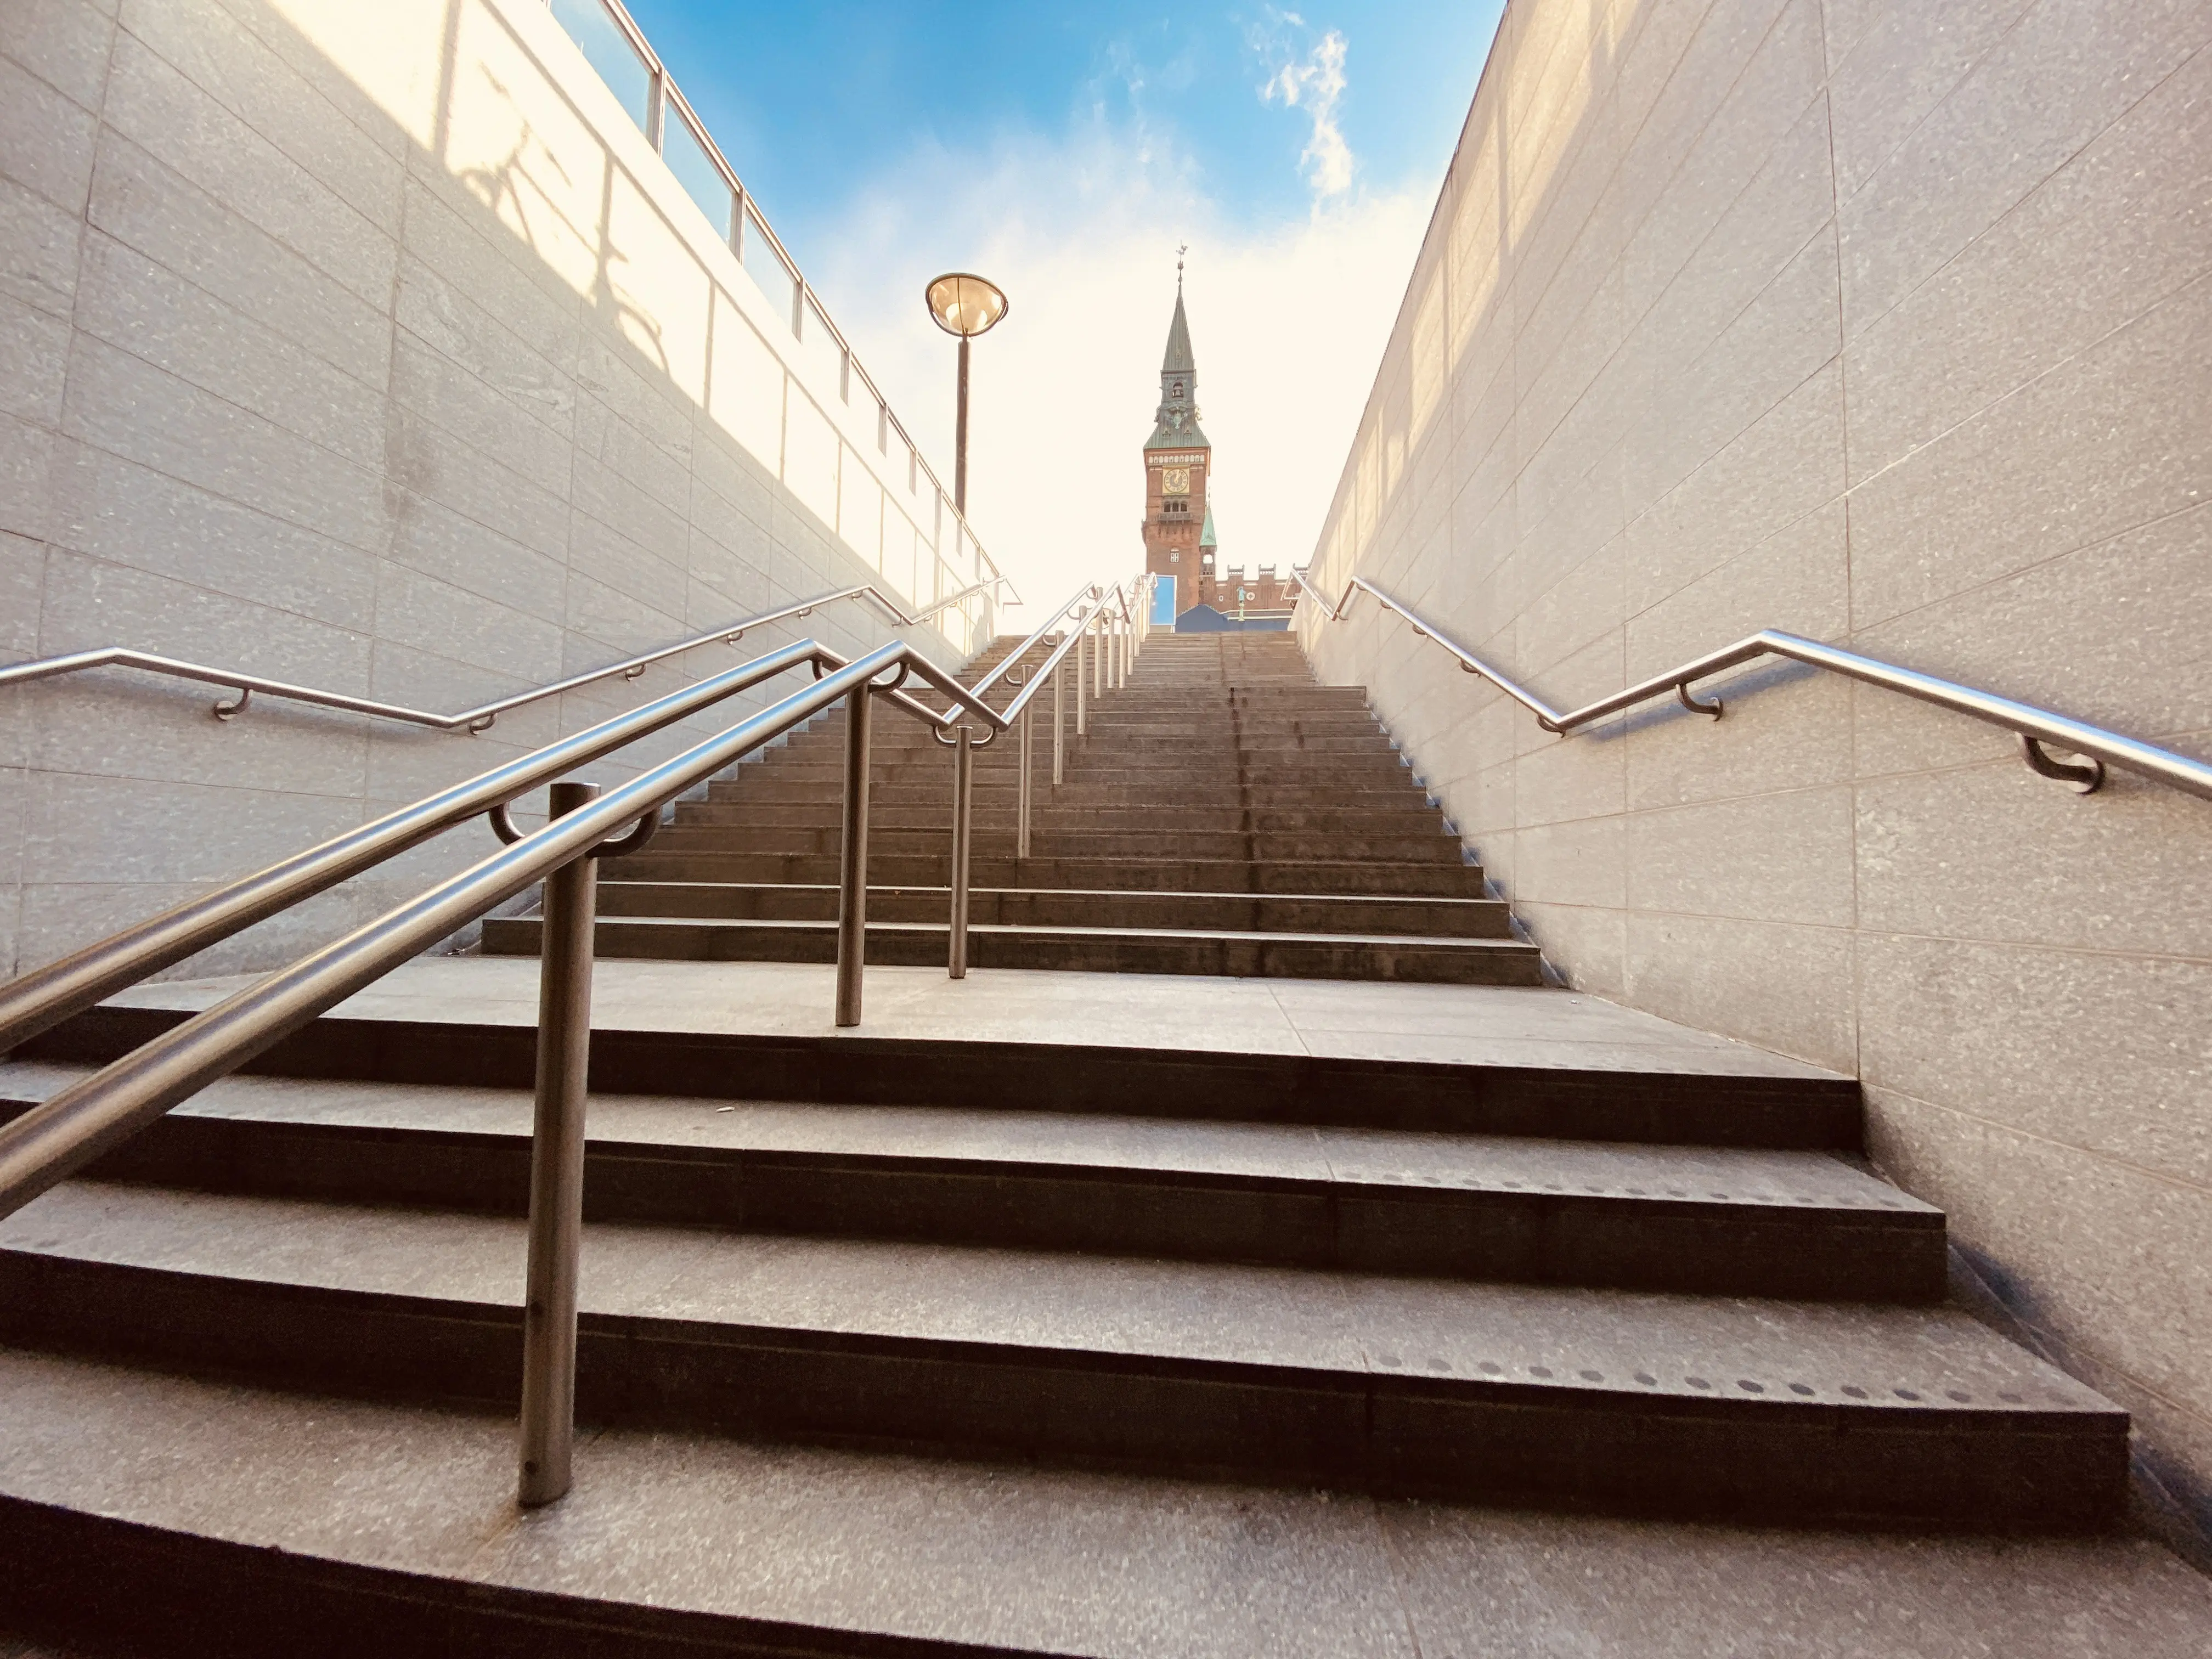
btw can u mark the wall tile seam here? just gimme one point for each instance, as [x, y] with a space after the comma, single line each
[1630, 618]
[2137, 955]
[343, 279]
[220, 209]
[2102, 539]
[121, 342]
[1999, 1126]
[1936, 104]
[2031, 191]
[245, 20]
[62, 92]
[346, 632]
[1628, 338]
[71, 424]
[40, 773]
[1630, 140]
[431, 409]
[296, 84]
[1619, 264]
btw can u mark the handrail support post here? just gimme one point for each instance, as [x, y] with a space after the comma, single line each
[1022, 791]
[557, 1168]
[1083, 641]
[852, 860]
[964, 804]
[1059, 728]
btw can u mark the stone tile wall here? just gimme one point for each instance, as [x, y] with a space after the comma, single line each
[370, 346]
[1888, 323]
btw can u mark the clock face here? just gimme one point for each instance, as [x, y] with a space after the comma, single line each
[1175, 480]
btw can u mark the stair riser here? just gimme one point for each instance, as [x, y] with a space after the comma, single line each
[1224, 913]
[1400, 821]
[992, 842]
[1557, 1102]
[1302, 785]
[1000, 794]
[1519, 1236]
[1244, 957]
[1404, 1434]
[1134, 875]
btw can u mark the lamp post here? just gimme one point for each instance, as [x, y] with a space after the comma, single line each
[965, 304]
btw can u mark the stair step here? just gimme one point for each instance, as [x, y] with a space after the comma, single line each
[1711, 1220]
[1226, 846]
[932, 868]
[1615, 1093]
[1429, 961]
[1423, 1387]
[1464, 918]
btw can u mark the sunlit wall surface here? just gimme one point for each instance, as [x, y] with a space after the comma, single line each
[378, 348]
[881, 493]
[1887, 323]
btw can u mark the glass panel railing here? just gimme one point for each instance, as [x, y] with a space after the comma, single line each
[758, 254]
[802, 429]
[606, 47]
[685, 152]
[824, 353]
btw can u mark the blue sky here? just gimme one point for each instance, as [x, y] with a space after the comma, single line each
[1066, 151]
[809, 101]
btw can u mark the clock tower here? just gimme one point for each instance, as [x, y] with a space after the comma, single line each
[1178, 466]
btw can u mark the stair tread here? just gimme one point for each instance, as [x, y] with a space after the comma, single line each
[1332, 1329]
[1395, 941]
[1157, 894]
[869, 1545]
[1661, 1176]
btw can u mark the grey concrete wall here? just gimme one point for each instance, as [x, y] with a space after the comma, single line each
[1888, 323]
[369, 346]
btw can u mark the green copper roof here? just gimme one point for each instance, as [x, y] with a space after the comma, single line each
[1179, 359]
[1176, 425]
[1206, 536]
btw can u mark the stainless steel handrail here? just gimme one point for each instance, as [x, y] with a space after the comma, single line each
[44, 996]
[475, 720]
[47, 1143]
[2039, 730]
[99, 1113]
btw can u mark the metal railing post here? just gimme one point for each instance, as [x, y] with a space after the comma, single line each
[1083, 643]
[1059, 727]
[852, 860]
[963, 802]
[1021, 792]
[556, 1167]
[1097, 656]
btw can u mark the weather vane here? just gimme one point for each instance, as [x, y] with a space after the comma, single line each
[1181, 250]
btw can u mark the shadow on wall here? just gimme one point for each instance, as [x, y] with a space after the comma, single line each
[380, 369]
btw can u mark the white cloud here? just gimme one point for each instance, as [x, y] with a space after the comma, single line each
[1315, 85]
[1288, 321]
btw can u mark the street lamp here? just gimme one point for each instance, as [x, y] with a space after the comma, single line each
[965, 304]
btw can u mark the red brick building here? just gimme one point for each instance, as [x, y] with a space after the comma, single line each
[1181, 546]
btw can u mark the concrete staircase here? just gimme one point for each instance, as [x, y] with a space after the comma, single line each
[1051, 1326]
[1225, 815]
